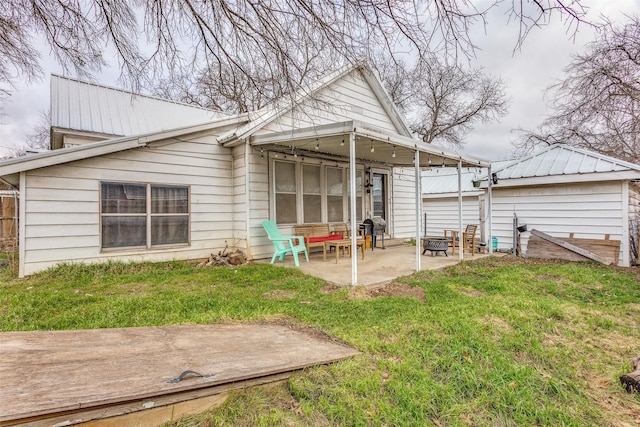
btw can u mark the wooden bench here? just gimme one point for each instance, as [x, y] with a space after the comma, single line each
[316, 234]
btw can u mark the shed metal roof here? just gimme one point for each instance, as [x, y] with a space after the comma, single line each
[563, 159]
[90, 107]
[445, 180]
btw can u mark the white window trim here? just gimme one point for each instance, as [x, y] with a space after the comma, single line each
[323, 183]
[148, 215]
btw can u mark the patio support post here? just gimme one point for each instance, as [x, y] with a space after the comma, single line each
[460, 236]
[418, 211]
[489, 211]
[352, 202]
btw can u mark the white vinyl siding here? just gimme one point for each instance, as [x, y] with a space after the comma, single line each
[589, 210]
[349, 98]
[403, 203]
[62, 203]
[442, 214]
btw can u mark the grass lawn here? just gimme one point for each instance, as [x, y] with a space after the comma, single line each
[497, 341]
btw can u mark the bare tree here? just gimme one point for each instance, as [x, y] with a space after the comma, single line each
[174, 36]
[597, 105]
[442, 101]
[226, 87]
[39, 136]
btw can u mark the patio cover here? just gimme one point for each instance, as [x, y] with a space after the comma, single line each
[356, 141]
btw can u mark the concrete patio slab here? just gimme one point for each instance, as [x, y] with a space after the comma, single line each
[379, 267]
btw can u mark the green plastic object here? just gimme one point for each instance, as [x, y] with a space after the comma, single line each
[284, 244]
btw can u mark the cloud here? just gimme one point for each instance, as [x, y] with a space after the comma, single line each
[527, 73]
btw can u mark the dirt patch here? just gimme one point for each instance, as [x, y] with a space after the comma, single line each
[279, 294]
[396, 289]
[470, 292]
[329, 288]
[500, 324]
[393, 289]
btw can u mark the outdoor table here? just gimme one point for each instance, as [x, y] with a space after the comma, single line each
[344, 244]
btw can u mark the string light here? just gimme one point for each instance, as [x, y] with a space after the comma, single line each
[394, 152]
[342, 143]
[317, 144]
[261, 153]
[372, 149]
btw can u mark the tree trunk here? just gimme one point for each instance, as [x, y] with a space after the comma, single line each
[631, 381]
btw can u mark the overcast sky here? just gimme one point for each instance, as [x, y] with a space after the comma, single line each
[526, 73]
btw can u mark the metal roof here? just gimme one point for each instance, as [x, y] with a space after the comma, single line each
[563, 159]
[90, 107]
[444, 180]
[439, 180]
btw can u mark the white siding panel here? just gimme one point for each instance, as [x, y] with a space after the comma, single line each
[66, 218]
[44, 206]
[240, 199]
[67, 230]
[442, 213]
[77, 242]
[403, 202]
[349, 98]
[62, 209]
[261, 247]
[587, 210]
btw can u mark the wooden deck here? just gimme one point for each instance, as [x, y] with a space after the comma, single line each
[67, 377]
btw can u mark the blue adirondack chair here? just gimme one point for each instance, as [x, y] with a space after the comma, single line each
[284, 244]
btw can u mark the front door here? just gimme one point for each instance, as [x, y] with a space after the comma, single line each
[380, 195]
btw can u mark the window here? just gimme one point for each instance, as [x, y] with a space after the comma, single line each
[285, 186]
[320, 196]
[359, 216]
[144, 215]
[311, 196]
[335, 199]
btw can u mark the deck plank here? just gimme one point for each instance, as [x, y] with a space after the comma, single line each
[48, 372]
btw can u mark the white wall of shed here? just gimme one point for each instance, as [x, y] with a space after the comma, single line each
[403, 203]
[589, 210]
[442, 213]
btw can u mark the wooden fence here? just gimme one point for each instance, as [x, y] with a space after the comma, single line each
[8, 220]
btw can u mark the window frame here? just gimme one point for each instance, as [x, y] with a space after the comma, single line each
[299, 194]
[148, 215]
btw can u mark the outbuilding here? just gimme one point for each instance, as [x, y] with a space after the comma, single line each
[562, 191]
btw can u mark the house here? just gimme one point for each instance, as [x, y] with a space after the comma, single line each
[558, 190]
[188, 181]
